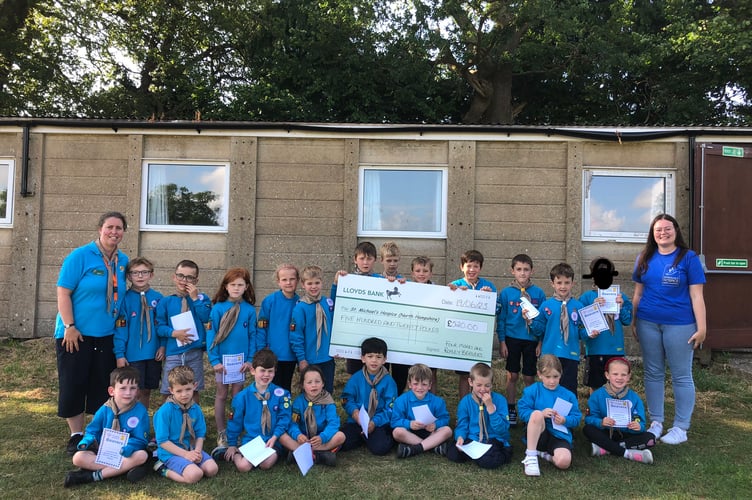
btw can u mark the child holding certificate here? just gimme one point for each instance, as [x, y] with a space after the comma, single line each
[615, 422]
[617, 309]
[420, 420]
[115, 441]
[230, 342]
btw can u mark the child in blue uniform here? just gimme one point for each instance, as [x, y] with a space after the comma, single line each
[186, 298]
[364, 257]
[389, 257]
[630, 441]
[559, 325]
[415, 437]
[274, 320]
[536, 408]
[482, 416]
[122, 412]
[181, 431]
[261, 409]
[609, 343]
[311, 326]
[136, 342]
[314, 419]
[374, 389]
[471, 263]
[421, 270]
[516, 340]
[232, 332]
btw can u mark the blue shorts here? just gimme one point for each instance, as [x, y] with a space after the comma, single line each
[149, 371]
[178, 464]
[193, 358]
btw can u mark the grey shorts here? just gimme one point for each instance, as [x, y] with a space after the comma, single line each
[193, 358]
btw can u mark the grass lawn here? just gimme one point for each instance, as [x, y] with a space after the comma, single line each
[714, 463]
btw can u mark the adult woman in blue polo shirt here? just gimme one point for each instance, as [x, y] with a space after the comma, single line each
[90, 288]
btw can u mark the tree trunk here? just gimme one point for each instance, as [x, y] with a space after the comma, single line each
[491, 102]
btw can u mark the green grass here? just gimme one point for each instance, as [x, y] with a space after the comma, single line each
[713, 464]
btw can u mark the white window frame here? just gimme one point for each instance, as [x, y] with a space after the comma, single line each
[224, 213]
[588, 234]
[7, 221]
[442, 231]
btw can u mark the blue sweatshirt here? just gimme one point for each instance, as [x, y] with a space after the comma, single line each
[402, 414]
[171, 306]
[135, 422]
[274, 320]
[131, 339]
[168, 420]
[240, 340]
[598, 409]
[327, 420]
[247, 410]
[468, 418]
[537, 397]
[546, 325]
[303, 337]
[509, 320]
[608, 342]
[357, 392]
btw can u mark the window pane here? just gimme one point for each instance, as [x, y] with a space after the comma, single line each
[186, 195]
[625, 203]
[4, 181]
[402, 200]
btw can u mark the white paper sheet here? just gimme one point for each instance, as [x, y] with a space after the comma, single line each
[181, 322]
[610, 294]
[620, 410]
[593, 319]
[233, 363]
[304, 457]
[562, 408]
[423, 415]
[110, 447]
[255, 451]
[475, 449]
[364, 420]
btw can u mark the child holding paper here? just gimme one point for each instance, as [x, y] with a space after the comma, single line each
[482, 417]
[183, 347]
[551, 413]
[374, 390]
[181, 430]
[122, 412]
[428, 429]
[230, 338]
[620, 431]
[609, 343]
[314, 419]
[421, 270]
[261, 410]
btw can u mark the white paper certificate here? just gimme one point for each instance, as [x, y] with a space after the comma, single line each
[475, 449]
[181, 322]
[593, 319]
[620, 410]
[255, 451]
[304, 457]
[233, 363]
[364, 419]
[110, 447]
[423, 415]
[561, 407]
[610, 294]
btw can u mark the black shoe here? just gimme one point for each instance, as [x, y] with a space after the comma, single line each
[408, 450]
[441, 449]
[136, 474]
[160, 468]
[218, 453]
[80, 476]
[325, 458]
[72, 446]
[512, 415]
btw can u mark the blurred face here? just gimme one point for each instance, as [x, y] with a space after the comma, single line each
[373, 361]
[471, 270]
[521, 272]
[236, 288]
[312, 384]
[550, 379]
[124, 393]
[288, 282]
[562, 285]
[312, 286]
[664, 233]
[391, 264]
[364, 262]
[618, 375]
[480, 386]
[420, 387]
[262, 376]
[183, 277]
[183, 393]
[140, 275]
[111, 233]
[422, 273]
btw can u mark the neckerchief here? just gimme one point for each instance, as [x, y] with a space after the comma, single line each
[144, 317]
[110, 403]
[321, 326]
[266, 415]
[183, 303]
[187, 425]
[523, 293]
[227, 323]
[112, 279]
[482, 429]
[614, 394]
[564, 316]
[323, 399]
[373, 398]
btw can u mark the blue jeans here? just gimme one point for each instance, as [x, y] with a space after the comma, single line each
[661, 344]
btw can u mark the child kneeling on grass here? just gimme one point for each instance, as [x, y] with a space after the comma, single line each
[630, 441]
[122, 412]
[180, 428]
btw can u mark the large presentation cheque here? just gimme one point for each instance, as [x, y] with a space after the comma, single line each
[420, 323]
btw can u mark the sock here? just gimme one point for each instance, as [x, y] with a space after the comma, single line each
[163, 471]
[97, 475]
[531, 453]
[76, 434]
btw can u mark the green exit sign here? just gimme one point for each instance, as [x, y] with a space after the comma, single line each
[738, 263]
[732, 151]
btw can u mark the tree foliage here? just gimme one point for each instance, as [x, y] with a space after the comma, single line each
[626, 62]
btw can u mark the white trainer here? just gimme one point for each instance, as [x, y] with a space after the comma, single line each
[674, 435]
[656, 429]
[531, 465]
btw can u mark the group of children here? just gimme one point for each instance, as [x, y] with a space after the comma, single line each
[294, 331]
